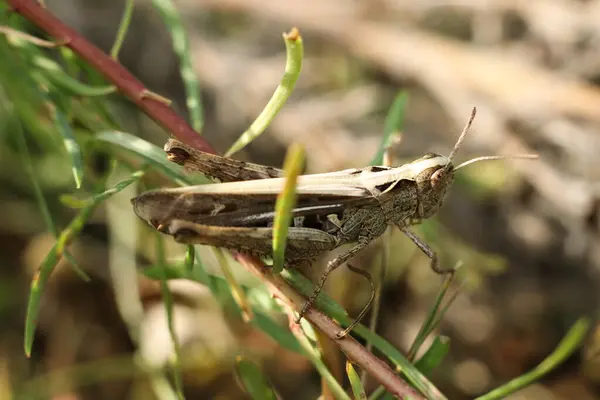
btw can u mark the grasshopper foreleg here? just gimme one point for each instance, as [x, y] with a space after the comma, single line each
[435, 263]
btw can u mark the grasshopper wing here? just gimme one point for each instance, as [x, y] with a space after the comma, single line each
[302, 243]
[252, 203]
[237, 209]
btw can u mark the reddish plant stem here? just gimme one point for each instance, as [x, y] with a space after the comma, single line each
[160, 112]
[113, 71]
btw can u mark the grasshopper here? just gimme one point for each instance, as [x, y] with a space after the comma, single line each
[332, 209]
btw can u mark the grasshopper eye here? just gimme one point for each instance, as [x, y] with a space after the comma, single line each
[437, 177]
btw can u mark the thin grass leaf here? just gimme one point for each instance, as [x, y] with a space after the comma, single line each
[123, 27]
[286, 201]
[40, 278]
[181, 47]
[71, 61]
[252, 380]
[357, 387]
[393, 124]
[199, 273]
[190, 256]
[430, 319]
[295, 52]
[166, 271]
[337, 312]
[150, 153]
[77, 269]
[312, 352]
[53, 73]
[565, 348]
[434, 355]
[37, 190]
[75, 202]
[41, 200]
[167, 298]
[282, 336]
[72, 147]
[236, 290]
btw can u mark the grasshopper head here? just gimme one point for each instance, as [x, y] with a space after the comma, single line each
[435, 175]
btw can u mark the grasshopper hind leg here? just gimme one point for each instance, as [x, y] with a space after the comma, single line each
[367, 306]
[331, 266]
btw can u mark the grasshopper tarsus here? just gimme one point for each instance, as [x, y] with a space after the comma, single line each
[363, 312]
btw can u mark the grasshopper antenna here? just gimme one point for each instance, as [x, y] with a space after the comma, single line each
[462, 135]
[461, 138]
[485, 158]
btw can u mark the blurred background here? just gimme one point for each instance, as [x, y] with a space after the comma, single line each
[527, 232]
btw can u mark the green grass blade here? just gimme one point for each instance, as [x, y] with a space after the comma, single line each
[181, 47]
[393, 124]
[236, 290]
[41, 200]
[434, 355]
[72, 147]
[190, 257]
[565, 348]
[279, 334]
[286, 201]
[167, 298]
[35, 294]
[295, 52]
[77, 203]
[150, 153]
[39, 280]
[53, 72]
[430, 319]
[312, 352]
[123, 27]
[37, 190]
[253, 381]
[357, 387]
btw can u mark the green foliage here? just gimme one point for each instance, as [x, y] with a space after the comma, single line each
[286, 201]
[253, 380]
